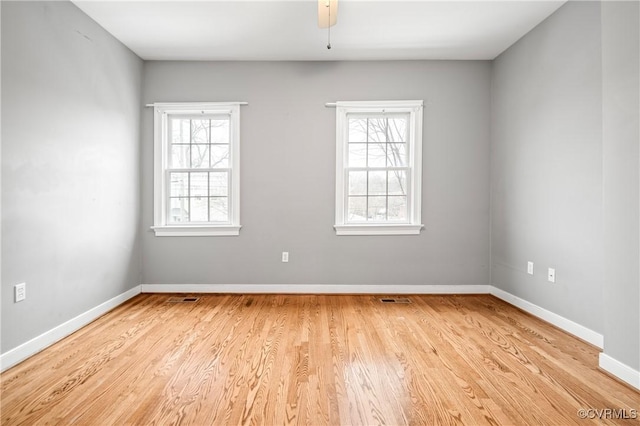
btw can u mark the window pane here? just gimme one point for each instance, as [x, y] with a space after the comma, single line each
[377, 208]
[379, 139]
[179, 210]
[377, 130]
[200, 131]
[377, 155]
[218, 184]
[357, 209]
[398, 208]
[220, 131]
[179, 184]
[378, 183]
[397, 182]
[396, 154]
[180, 156]
[357, 130]
[199, 184]
[397, 129]
[357, 183]
[198, 209]
[194, 166]
[357, 155]
[180, 130]
[219, 209]
[219, 156]
[200, 156]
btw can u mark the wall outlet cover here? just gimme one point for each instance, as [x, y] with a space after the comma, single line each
[20, 291]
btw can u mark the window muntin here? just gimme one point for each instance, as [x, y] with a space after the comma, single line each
[378, 167]
[196, 176]
[199, 174]
[377, 171]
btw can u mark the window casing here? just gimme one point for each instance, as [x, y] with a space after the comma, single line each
[378, 168]
[197, 169]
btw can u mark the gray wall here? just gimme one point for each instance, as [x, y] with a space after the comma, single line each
[288, 175]
[70, 166]
[621, 137]
[546, 172]
[0, 176]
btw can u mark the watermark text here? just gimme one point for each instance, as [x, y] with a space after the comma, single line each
[608, 413]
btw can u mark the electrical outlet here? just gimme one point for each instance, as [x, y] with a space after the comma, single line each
[20, 292]
[530, 268]
[551, 275]
[285, 256]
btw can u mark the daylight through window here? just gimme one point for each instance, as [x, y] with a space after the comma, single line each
[197, 188]
[378, 168]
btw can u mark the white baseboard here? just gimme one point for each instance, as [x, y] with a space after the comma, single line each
[620, 370]
[315, 288]
[561, 322]
[35, 345]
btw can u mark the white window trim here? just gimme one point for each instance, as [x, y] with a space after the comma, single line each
[413, 226]
[161, 156]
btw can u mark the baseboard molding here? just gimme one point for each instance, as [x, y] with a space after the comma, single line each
[559, 321]
[315, 288]
[619, 370]
[35, 345]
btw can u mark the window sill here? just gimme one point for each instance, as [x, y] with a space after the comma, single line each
[378, 229]
[197, 231]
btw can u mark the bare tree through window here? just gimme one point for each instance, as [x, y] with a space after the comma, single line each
[199, 170]
[377, 168]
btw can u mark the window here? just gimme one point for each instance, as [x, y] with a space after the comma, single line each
[197, 169]
[378, 168]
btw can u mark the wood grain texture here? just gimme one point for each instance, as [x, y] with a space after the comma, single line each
[303, 359]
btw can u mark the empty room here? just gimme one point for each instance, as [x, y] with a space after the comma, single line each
[341, 212]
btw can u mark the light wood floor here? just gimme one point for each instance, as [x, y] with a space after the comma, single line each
[339, 360]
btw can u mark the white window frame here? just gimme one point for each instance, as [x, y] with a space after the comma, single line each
[413, 224]
[162, 111]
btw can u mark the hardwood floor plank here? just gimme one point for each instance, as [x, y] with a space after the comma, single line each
[313, 359]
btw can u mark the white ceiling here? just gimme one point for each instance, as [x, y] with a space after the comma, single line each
[288, 30]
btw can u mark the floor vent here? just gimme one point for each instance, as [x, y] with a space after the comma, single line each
[182, 299]
[395, 300]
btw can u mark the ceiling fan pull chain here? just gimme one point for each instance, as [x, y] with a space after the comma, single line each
[329, 27]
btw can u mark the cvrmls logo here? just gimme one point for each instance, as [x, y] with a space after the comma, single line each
[608, 413]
